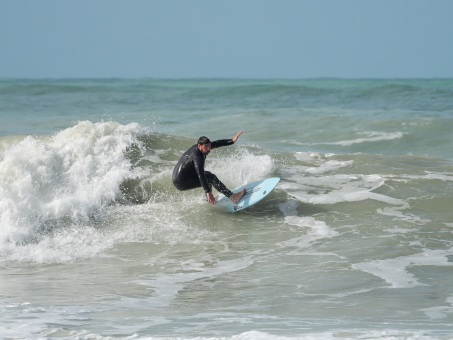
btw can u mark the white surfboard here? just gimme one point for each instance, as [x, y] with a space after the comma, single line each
[255, 192]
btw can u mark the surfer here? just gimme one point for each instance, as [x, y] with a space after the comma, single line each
[189, 172]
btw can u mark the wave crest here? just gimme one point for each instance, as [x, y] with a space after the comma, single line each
[68, 178]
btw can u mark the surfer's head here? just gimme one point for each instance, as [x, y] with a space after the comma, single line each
[203, 140]
[204, 145]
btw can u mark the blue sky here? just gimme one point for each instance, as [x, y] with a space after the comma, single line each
[226, 38]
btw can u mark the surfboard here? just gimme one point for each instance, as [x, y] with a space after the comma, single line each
[255, 192]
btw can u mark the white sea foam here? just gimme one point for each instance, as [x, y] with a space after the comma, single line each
[321, 163]
[62, 181]
[312, 157]
[167, 287]
[442, 176]
[440, 312]
[241, 168]
[333, 189]
[369, 136]
[394, 271]
[397, 214]
[26, 320]
[319, 184]
[316, 229]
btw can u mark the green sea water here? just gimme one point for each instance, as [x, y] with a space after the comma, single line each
[356, 241]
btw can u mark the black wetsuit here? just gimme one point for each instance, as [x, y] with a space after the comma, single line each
[189, 171]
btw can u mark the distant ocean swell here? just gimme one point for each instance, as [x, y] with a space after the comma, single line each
[432, 95]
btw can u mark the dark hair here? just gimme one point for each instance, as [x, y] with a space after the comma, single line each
[203, 140]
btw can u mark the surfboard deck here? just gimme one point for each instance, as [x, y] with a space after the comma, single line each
[255, 192]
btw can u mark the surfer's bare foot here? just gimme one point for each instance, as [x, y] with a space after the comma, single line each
[237, 196]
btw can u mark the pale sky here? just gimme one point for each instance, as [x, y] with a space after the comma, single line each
[226, 38]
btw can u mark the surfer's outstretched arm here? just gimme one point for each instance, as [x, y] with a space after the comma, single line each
[235, 138]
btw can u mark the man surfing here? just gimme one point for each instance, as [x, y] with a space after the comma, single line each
[189, 172]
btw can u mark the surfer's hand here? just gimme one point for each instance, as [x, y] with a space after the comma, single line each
[235, 138]
[210, 197]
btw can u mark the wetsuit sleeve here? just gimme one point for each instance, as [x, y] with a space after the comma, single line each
[221, 142]
[199, 168]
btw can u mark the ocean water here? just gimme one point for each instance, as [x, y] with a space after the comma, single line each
[356, 241]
